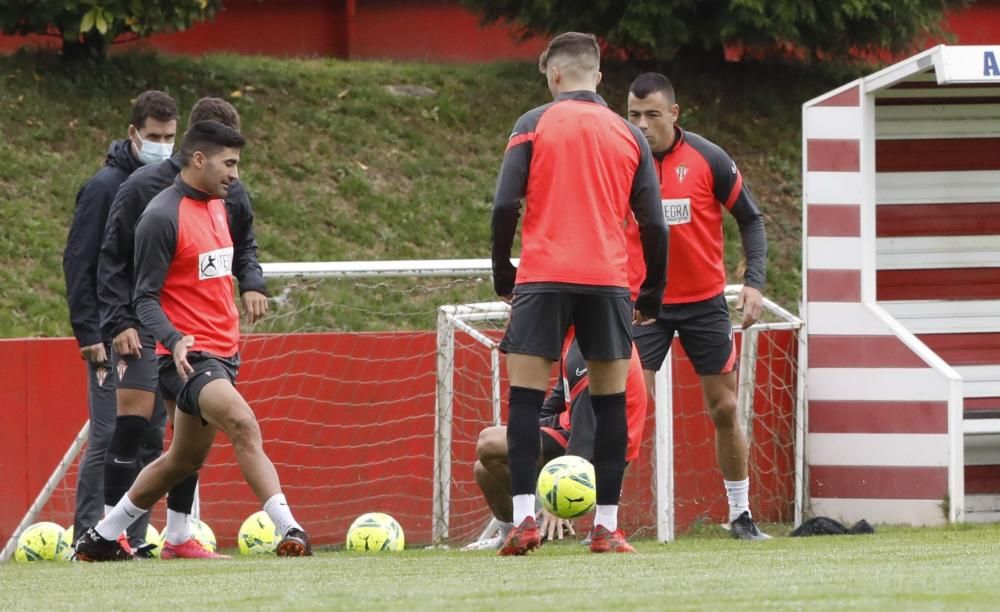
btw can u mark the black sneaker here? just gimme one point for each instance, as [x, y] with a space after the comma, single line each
[92, 547]
[295, 544]
[743, 528]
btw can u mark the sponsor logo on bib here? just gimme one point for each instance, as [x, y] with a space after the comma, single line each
[215, 264]
[676, 211]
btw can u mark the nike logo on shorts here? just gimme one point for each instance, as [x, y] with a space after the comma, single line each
[581, 371]
[115, 460]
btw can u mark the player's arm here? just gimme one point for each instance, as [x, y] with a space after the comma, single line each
[115, 287]
[253, 290]
[735, 196]
[83, 246]
[512, 184]
[653, 233]
[155, 241]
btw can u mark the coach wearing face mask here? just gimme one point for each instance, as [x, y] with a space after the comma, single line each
[151, 131]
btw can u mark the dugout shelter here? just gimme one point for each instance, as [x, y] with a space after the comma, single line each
[901, 291]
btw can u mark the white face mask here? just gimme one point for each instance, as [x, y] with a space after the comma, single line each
[153, 152]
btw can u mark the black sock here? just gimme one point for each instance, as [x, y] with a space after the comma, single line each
[523, 442]
[120, 467]
[181, 497]
[609, 446]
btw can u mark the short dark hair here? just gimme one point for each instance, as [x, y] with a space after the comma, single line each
[576, 45]
[651, 83]
[155, 104]
[209, 137]
[215, 109]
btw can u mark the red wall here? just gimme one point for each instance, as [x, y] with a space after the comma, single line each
[431, 30]
[348, 418]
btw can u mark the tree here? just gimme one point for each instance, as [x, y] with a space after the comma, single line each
[89, 27]
[663, 29]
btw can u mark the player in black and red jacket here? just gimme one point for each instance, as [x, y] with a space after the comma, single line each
[698, 180]
[184, 298]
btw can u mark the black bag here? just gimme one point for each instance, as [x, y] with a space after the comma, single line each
[822, 525]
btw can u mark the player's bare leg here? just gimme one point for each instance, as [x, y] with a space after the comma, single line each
[731, 451]
[222, 405]
[607, 394]
[492, 474]
[529, 378]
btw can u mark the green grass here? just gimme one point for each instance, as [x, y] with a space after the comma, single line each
[900, 568]
[340, 169]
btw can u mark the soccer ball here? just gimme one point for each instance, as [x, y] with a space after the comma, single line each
[567, 487]
[258, 535]
[375, 531]
[203, 534]
[40, 542]
[65, 550]
[153, 537]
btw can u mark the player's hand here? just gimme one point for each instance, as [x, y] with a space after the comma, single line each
[553, 527]
[640, 319]
[184, 368]
[95, 353]
[254, 305]
[506, 299]
[751, 304]
[127, 343]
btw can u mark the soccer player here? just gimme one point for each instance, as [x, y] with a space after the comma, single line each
[151, 132]
[133, 356]
[697, 181]
[567, 428]
[582, 171]
[183, 297]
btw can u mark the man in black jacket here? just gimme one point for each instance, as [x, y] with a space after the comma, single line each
[135, 364]
[151, 132]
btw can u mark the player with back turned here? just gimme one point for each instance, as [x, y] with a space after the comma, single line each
[582, 172]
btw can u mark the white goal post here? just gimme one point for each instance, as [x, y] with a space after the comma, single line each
[460, 319]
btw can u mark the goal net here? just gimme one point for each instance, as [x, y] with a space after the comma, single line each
[372, 380]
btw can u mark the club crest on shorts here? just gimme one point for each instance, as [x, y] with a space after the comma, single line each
[102, 375]
[121, 367]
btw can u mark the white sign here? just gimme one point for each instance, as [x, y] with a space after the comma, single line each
[968, 64]
[215, 264]
[676, 210]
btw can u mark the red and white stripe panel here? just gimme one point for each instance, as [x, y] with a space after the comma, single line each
[878, 444]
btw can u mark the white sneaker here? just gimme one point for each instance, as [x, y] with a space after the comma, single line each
[493, 543]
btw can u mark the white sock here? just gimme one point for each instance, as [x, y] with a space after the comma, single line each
[738, 492]
[121, 516]
[108, 509]
[281, 515]
[178, 528]
[607, 516]
[524, 506]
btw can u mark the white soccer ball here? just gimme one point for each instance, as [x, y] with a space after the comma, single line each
[203, 534]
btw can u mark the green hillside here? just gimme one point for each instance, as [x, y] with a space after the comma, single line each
[342, 168]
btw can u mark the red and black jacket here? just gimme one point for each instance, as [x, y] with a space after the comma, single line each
[582, 171]
[183, 272]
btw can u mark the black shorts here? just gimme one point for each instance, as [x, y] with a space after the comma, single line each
[206, 369]
[140, 372]
[539, 321]
[706, 334]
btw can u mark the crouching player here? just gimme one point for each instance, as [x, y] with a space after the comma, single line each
[184, 298]
[567, 426]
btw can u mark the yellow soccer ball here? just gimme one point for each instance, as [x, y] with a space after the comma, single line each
[567, 487]
[258, 535]
[203, 534]
[40, 542]
[375, 532]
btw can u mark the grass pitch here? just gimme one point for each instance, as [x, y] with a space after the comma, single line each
[898, 568]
